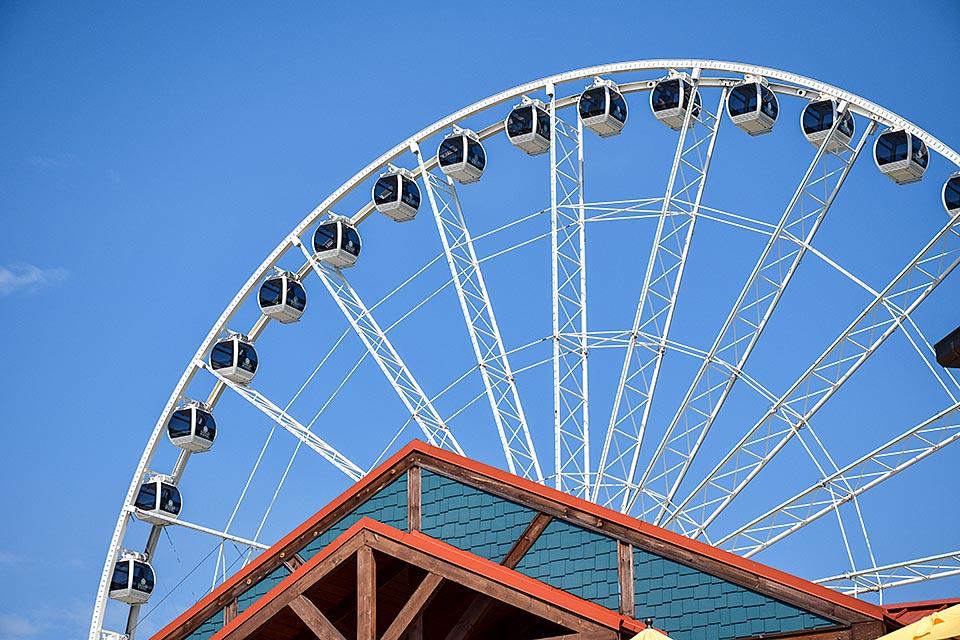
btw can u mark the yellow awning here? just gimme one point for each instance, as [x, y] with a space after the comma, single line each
[942, 625]
[650, 634]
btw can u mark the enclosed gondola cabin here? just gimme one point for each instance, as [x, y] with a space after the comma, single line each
[282, 298]
[951, 195]
[948, 350]
[337, 243]
[670, 98]
[817, 121]
[461, 156]
[396, 195]
[192, 428]
[133, 579]
[602, 108]
[528, 127]
[901, 156]
[235, 359]
[753, 107]
[158, 497]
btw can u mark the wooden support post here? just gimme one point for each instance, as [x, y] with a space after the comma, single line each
[366, 594]
[625, 573]
[414, 499]
[314, 619]
[414, 607]
[230, 611]
[526, 540]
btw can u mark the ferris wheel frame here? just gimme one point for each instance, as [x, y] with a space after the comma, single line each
[572, 441]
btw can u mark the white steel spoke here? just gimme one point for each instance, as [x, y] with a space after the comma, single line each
[844, 485]
[223, 535]
[383, 352]
[661, 285]
[498, 378]
[571, 407]
[290, 424]
[896, 574]
[746, 321]
[794, 409]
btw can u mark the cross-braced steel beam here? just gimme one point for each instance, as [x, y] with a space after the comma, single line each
[746, 321]
[571, 405]
[844, 485]
[383, 353]
[814, 388]
[498, 379]
[661, 284]
[896, 574]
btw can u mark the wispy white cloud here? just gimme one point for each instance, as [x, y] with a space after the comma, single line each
[13, 625]
[27, 276]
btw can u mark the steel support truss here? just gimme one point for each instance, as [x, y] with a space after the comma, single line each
[498, 378]
[884, 314]
[844, 485]
[382, 351]
[746, 321]
[223, 535]
[898, 574]
[571, 402]
[661, 284]
[290, 425]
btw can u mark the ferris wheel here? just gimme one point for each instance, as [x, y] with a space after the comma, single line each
[742, 397]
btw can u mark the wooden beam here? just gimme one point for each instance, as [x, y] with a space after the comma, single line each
[625, 574]
[414, 499]
[526, 540]
[314, 619]
[600, 635]
[366, 594]
[230, 611]
[415, 605]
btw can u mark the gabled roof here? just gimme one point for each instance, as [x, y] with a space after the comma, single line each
[905, 613]
[487, 578]
[561, 506]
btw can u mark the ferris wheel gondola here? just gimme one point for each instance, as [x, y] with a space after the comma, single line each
[133, 579]
[396, 195]
[235, 359]
[602, 108]
[753, 107]
[282, 297]
[951, 194]
[901, 156]
[817, 120]
[670, 98]
[192, 427]
[461, 156]
[337, 243]
[528, 127]
[158, 496]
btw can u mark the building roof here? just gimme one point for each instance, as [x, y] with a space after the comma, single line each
[488, 580]
[905, 613]
[553, 505]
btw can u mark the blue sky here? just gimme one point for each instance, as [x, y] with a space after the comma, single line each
[151, 156]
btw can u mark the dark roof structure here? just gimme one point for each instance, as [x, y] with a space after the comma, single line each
[432, 545]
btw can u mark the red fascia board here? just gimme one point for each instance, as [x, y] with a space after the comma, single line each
[274, 549]
[453, 556]
[653, 531]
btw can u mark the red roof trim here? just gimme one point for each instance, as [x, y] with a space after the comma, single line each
[457, 557]
[602, 513]
[695, 546]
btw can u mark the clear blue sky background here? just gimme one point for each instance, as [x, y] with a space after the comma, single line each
[151, 155]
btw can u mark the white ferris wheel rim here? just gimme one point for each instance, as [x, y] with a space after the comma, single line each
[795, 85]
